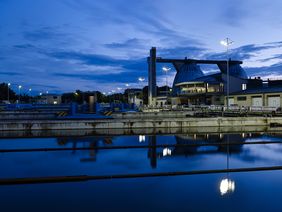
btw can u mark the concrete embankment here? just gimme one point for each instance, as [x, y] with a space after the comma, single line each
[139, 123]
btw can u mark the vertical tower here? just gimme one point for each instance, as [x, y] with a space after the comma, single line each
[152, 85]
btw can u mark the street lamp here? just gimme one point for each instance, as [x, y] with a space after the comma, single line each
[19, 87]
[29, 94]
[9, 84]
[165, 69]
[227, 42]
[141, 79]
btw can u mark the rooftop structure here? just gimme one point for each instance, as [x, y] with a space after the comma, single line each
[192, 86]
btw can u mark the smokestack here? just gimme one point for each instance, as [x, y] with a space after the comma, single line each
[152, 84]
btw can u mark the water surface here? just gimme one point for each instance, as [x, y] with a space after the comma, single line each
[247, 191]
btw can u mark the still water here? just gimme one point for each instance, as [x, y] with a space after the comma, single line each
[243, 191]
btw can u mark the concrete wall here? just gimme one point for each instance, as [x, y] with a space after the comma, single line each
[139, 123]
[27, 115]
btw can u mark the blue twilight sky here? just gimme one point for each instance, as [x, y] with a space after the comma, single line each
[62, 45]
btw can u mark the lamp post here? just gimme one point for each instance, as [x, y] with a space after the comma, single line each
[128, 91]
[29, 94]
[165, 69]
[8, 85]
[227, 42]
[19, 87]
[141, 79]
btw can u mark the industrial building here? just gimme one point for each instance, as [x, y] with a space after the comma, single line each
[260, 94]
[49, 99]
[192, 87]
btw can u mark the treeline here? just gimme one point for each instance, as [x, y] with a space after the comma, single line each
[6, 92]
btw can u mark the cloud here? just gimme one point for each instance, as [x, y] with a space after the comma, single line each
[43, 33]
[276, 56]
[132, 43]
[272, 72]
[10, 73]
[24, 46]
[181, 52]
[241, 53]
[233, 13]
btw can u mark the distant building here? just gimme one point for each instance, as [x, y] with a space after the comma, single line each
[134, 96]
[49, 99]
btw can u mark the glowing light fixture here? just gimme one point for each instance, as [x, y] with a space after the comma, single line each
[141, 79]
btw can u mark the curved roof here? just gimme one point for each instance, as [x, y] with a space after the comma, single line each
[237, 71]
[188, 72]
[234, 70]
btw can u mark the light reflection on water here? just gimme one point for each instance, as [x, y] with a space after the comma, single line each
[211, 188]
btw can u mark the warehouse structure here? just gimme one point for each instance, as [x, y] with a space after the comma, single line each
[261, 94]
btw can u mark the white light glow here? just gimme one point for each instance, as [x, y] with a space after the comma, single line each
[142, 138]
[166, 152]
[223, 43]
[165, 69]
[226, 186]
[141, 79]
[226, 42]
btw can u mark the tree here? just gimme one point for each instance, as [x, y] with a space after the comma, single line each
[4, 93]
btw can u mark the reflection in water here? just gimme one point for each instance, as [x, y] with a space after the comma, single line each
[159, 154]
[166, 152]
[88, 142]
[226, 186]
[205, 144]
[142, 138]
[152, 152]
[202, 145]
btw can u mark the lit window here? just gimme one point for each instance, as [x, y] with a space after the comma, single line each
[244, 87]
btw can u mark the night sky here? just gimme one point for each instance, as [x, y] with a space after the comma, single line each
[63, 45]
